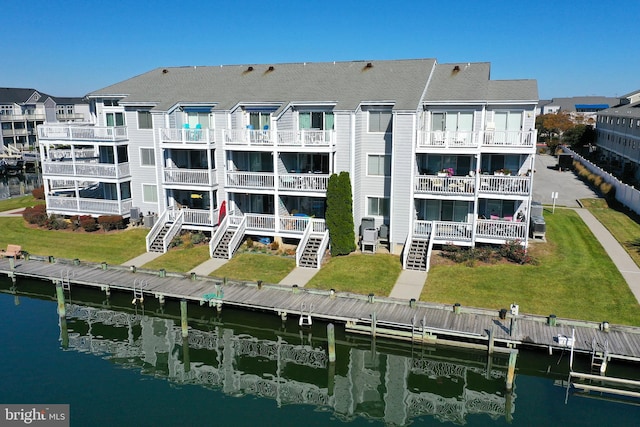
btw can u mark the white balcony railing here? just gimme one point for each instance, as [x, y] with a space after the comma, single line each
[296, 138]
[456, 185]
[261, 180]
[471, 139]
[443, 231]
[70, 116]
[86, 206]
[200, 217]
[504, 184]
[82, 133]
[189, 176]
[304, 182]
[186, 136]
[500, 230]
[105, 170]
[20, 117]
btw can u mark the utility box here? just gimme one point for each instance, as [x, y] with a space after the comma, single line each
[537, 227]
[383, 232]
[148, 221]
[565, 162]
[367, 223]
[536, 209]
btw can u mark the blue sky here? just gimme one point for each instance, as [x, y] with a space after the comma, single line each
[69, 48]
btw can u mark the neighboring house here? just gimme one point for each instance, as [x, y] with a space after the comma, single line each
[581, 109]
[618, 135]
[437, 153]
[22, 110]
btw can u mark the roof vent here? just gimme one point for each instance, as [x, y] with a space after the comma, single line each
[456, 68]
[270, 69]
[369, 65]
[165, 71]
[249, 68]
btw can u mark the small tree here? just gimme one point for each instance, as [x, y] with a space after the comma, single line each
[339, 214]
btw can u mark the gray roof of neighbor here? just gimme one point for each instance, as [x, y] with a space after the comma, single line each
[627, 110]
[569, 104]
[16, 95]
[470, 81]
[399, 82]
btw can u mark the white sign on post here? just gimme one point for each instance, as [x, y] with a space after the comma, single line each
[554, 196]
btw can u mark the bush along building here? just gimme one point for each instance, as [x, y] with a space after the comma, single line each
[435, 154]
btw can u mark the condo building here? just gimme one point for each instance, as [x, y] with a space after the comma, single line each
[436, 153]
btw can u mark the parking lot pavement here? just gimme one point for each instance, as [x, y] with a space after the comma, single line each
[548, 180]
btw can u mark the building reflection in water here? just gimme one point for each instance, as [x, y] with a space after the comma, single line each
[364, 382]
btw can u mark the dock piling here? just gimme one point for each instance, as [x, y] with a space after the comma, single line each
[183, 318]
[331, 337]
[62, 312]
[511, 372]
[12, 263]
[457, 308]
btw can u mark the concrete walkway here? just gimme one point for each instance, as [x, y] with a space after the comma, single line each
[141, 260]
[12, 212]
[299, 276]
[616, 252]
[409, 285]
[209, 266]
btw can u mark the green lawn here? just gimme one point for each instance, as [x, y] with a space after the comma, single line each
[19, 202]
[359, 273]
[113, 247]
[574, 279]
[254, 267]
[180, 260]
[625, 228]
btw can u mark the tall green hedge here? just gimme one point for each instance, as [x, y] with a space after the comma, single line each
[339, 215]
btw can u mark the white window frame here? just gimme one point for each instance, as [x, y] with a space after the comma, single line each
[379, 111]
[383, 215]
[150, 119]
[386, 165]
[155, 193]
[142, 157]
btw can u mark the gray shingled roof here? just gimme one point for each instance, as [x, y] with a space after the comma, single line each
[16, 95]
[628, 110]
[470, 82]
[569, 104]
[348, 84]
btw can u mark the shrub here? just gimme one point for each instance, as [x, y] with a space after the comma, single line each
[55, 222]
[111, 222]
[274, 246]
[515, 252]
[88, 223]
[249, 242]
[35, 215]
[339, 214]
[75, 222]
[38, 193]
[198, 237]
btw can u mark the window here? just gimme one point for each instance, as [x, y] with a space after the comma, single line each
[110, 102]
[452, 121]
[115, 119]
[149, 193]
[316, 120]
[380, 121]
[197, 119]
[147, 157]
[378, 206]
[379, 165]
[144, 120]
[259, 120]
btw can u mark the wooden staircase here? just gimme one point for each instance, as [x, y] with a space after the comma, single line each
[156, 245]
[417, 257]
[310, 254]
[222, 250]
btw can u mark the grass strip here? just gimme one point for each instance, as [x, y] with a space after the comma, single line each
[254, 267]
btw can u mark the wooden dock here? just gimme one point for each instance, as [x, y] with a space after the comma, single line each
[387, 317]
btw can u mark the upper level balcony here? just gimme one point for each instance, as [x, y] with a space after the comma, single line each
[183, 176]
[250, 180]
[303, 182]
[505, 185]
[82, 133]
[445, 185]
[438, 140]
[305, 138]
[91, 169]
[21, 117]
[186, 136]
[63, 117]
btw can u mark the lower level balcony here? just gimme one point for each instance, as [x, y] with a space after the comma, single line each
[87, 206]
[303, 182]
[505, 184]
[486, 231]
[190, 176]
[454, 185]
[200, 217]
[291, 226]
[251, 180]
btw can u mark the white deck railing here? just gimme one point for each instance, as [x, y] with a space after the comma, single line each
[216, 238]
[186, 136]
[237, 236]
[200, 217]
[293, 224]
[177, 218]
[155, 230]
[86, 206]
[262, 180]
[189, 176]
[452, 231]
[303, 242]
[500, 230]
[511, 185]
[303, 182]
[105, 170]
[469, 139]
[82, 133]
[297, 138]
[458, 185]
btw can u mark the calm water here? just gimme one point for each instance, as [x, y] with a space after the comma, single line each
[117, 366]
